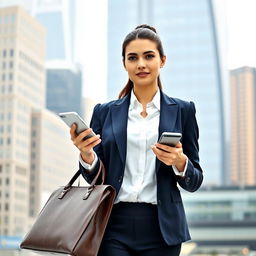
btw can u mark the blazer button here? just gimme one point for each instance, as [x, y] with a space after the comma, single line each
[187, 179]
[120, 179]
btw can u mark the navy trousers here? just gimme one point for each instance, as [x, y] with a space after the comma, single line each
[133, 230]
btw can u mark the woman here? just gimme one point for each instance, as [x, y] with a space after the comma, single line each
[148, 217]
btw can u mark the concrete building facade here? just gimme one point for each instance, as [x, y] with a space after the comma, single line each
[243, 125]
[22, 82]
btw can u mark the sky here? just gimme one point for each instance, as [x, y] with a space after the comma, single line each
[241, 36]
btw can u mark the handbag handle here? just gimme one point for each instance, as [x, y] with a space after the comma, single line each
[92, 185]
[101, 171]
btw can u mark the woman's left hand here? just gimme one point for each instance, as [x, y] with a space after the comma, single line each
[170, 155]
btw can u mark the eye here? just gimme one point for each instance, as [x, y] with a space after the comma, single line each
[132, 58]
[150, 56]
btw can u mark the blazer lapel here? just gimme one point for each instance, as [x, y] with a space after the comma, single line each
[168, 117]
[119, 116]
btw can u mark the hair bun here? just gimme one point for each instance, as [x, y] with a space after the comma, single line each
[146, 26]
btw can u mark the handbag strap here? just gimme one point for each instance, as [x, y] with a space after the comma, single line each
[101, 171]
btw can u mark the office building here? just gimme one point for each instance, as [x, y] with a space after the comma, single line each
[22, 87]
[58, 16]
[64, 87]
[25, 4]
[222, 219]
[194, 67]
[243, 125]
[54, 158]
[64, 76]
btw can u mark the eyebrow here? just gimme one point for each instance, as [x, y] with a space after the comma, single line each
[133, 53]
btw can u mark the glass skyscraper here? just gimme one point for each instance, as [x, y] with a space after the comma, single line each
[58, 16]
[193, 69]
[64, 83]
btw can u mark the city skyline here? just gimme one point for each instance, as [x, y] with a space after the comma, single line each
[240, 19]
[91, 20]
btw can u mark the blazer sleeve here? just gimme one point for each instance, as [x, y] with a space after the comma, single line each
[193, 177]
[96, 125]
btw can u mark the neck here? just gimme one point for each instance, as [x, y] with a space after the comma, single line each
[145, 95]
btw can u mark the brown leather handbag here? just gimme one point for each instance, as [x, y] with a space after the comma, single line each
[73, 219]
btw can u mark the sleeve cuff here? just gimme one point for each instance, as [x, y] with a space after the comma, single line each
[177, 172]
[88, 167]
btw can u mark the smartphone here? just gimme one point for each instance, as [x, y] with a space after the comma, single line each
[170, 138]
[72, 117]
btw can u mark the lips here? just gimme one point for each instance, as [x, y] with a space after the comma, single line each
[142, 74]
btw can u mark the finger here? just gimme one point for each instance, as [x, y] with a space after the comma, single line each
[73, 131]
[85, 146]
[165, 160]
[89, 147]
[164, 147]
[80, 142]
[89, 141]
[83, 134]
[179, 145]
[159, 152]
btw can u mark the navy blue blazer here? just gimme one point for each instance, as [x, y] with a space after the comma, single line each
[110, 121]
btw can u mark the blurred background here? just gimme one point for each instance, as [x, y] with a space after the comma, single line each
[65, 55]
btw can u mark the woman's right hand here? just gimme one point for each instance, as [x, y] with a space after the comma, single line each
[85, 146]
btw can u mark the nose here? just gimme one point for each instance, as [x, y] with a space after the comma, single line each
[141, 63]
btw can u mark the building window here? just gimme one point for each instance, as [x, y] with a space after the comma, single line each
[12, 19]
[10, 88]
[4, 53]
[6, 207]
[8, 141]
[7, 181]
[9, 116]
[11, 52]
[10, 76]
[4, 65]
[3, 77]
[11, 64]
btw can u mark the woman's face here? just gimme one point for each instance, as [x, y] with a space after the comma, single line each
[143, 62]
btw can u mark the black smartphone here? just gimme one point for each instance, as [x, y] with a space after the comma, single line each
[72, 117]
[170, 138]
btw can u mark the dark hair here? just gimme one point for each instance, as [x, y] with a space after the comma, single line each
[143, 32]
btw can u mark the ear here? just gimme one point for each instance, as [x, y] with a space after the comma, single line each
[163, 61]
